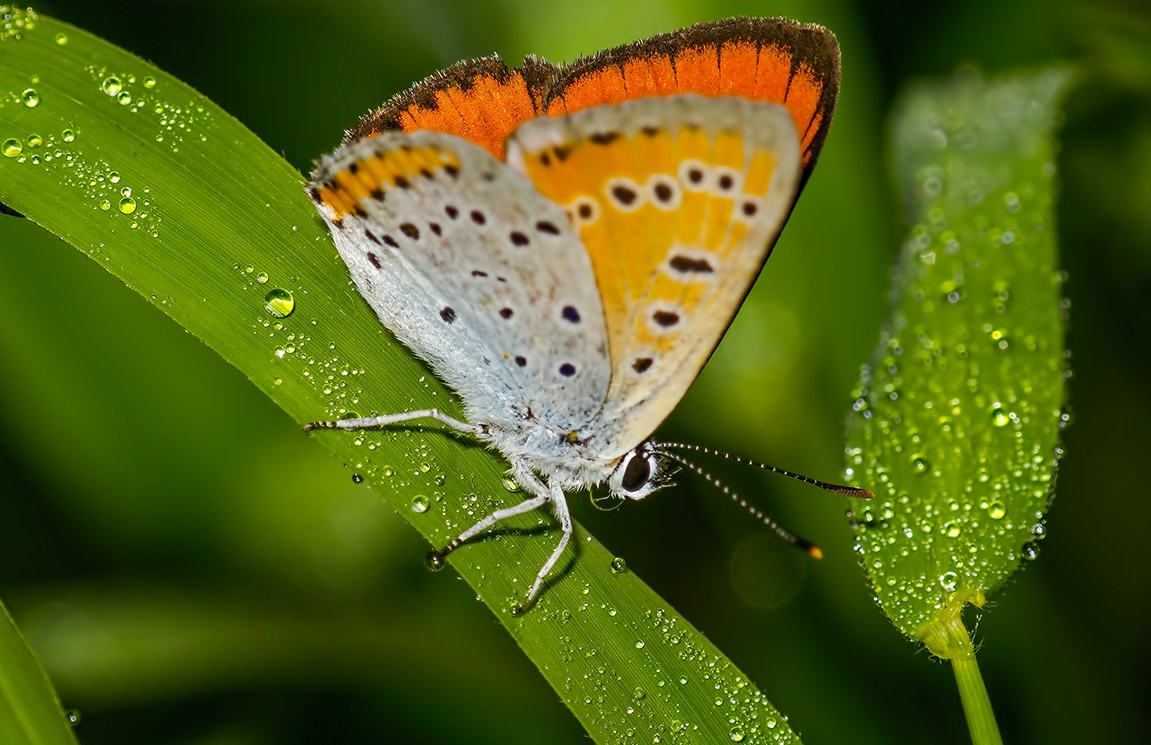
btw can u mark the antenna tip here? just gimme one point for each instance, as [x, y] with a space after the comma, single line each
[815, 552]
[854, 493]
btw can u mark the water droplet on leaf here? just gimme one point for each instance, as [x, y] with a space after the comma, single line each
[279, 303]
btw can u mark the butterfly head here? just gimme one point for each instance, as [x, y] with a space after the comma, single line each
[639, 473]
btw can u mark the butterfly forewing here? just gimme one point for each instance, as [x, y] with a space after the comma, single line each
[470, 267]
[678, 202]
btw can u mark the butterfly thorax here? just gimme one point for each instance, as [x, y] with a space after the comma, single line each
[565, 456]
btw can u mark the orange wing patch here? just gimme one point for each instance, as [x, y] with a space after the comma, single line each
[344, 192]
[482, 100]
[772, 60]
[776, 60]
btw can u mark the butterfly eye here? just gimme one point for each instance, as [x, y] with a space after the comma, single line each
[637, 475]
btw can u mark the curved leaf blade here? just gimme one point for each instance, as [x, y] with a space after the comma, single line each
[30, 712]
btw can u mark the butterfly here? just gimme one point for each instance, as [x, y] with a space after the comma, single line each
[566, 245]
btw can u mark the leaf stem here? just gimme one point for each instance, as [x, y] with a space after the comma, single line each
[946, 637]
[976, 704]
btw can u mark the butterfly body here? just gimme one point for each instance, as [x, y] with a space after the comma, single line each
[566, 254]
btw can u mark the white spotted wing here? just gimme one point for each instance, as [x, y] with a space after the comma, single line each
[475, 271]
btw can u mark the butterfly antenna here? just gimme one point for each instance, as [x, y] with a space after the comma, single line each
[847, 491]
[813, 550]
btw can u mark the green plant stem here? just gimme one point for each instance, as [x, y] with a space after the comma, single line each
[976, 703]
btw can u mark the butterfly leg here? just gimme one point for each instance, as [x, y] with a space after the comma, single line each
[405, 416]
[436, 558]
[560, 506]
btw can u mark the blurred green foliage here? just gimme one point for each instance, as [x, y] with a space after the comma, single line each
[195, 570]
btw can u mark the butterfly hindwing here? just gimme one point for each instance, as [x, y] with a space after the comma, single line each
[470, 267]
[678, 202]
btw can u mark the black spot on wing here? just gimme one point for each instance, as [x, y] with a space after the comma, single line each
[689, 265]
[624, 195]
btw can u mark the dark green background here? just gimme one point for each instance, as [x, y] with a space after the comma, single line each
[192, 569]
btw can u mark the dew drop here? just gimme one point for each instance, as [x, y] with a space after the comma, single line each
[996, 510]
[434, 561]
[357, 478]
[30, 98]
[105, 205]
[419, 504]
[68, 135]
[111, 85]
[948, 581]
[61, 39]
[952, 530]
[114, 177]
[639, 694]
[11, 147]
[618, 565]
[149, 82]
[510, 484]
[124, 98]
[127, 205]
[34, 140]
[736, 734]
[999, 417]
[279, 303]
[72, 715]
[920, 464]
[262, 278]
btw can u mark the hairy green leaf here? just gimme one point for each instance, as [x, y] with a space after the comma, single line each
[957, 419]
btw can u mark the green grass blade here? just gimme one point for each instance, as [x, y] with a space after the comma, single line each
[957, 421]
[217, 224]
[29, 709]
